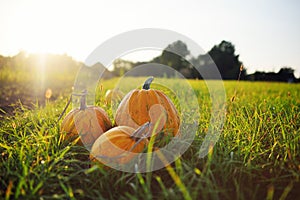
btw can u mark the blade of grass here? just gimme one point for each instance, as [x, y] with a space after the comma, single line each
[175, 177]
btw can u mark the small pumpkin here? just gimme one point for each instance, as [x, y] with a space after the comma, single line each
[118, 145]
[113, 95]
[88, 122]
[141, 106]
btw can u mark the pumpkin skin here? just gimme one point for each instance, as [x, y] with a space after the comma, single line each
[117, 146]
[88, 122]
[114, 95]
[141, 106]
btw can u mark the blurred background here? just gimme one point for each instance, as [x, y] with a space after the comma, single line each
[43, 44]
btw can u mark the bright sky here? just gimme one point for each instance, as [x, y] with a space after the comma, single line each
[266, 33]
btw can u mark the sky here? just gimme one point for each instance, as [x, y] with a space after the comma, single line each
[265, 33]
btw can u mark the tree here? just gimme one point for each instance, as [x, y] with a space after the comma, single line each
[286, 74]
[227, 62]
[175, 56]
[179, 48]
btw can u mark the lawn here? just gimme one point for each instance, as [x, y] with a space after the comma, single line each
[256, 157]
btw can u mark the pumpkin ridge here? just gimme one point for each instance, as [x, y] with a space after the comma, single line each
[132, 105]
[120, 117]
[171, 109]
[143, 111]
[114, 145]
[136, 109]
[86, 122]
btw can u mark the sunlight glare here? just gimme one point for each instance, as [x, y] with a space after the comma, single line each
[41, 70]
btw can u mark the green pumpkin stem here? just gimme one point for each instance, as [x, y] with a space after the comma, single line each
[147, 83]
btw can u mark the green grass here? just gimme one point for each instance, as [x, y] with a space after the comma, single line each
[256, 157]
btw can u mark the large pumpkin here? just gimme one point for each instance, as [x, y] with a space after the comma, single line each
[118, 145]
[88, 122]
[141, 106]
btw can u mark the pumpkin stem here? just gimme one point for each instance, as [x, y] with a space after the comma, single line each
[65, 109]
[83, 100]
[147, 83]
[140, 130]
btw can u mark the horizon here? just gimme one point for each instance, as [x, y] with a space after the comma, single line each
[265, 34]
[126, 57]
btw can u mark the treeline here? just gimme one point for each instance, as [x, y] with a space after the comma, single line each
[53, 68]
[223, 56]
[285, 74]
[26, 77]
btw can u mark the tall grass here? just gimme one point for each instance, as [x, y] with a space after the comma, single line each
[256, 157]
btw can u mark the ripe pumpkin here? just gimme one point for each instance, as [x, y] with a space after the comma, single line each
[141, 106]
[114, 95]
[88, 122]
[118, 145]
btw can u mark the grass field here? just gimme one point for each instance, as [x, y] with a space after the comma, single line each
[256, 157]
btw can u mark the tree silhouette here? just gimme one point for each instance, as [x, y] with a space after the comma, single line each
[287, 74]
[175, 56]
[179, 48]
[227, 62]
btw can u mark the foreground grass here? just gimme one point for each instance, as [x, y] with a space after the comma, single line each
[256, 157]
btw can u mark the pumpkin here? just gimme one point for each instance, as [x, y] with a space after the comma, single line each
[88, 122]
[114, 95]
[143, 105]
[118, 145]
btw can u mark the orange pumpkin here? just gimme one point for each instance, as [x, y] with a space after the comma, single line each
[118, 145]
[88, 122]
[141, 106]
